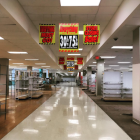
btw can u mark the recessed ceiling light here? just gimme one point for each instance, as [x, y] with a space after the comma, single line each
[108, 57]
[94, 62]
[1, 38]
[80, 49]
[124, 62]
[18, 52]
[74, 54]
[92, 65]
[124, 68]
[9, 59]
[81, 32]
[122, 47]
[40, 63]
[131, 57]
[32, 59]
[80, 2]
[114, 65]
[45, 66]
[17, 63]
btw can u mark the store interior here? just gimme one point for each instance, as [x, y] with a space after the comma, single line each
[50, 72]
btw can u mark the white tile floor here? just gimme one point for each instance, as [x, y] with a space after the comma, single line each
[69, 114]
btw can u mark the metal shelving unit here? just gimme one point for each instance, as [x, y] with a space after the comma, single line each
[34, 87]
[92, 83]
[117, 84]
[22, 84]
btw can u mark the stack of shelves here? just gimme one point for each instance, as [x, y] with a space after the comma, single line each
[84, 82]
[22, 83]
[34, 87]
[117, 84]
[92, 83]
[3, 88]
[127, 84]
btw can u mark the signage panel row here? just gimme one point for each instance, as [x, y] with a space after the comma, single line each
[69, 35]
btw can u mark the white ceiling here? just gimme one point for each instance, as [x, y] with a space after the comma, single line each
[50, 11]
[46, 12]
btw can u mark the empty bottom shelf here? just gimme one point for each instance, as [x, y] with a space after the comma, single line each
[22, 97]
[117, 99]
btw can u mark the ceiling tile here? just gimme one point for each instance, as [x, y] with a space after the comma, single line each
[111, 2]
[107, 10]
[40, 2]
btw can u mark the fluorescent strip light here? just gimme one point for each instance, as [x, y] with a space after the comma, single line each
[31, 59]
[40, 63]
[113, 65]
[108, 57]
[81, 32]
[122, 47]
[124, 68]
[124, 62]
[45, 66]
[80, 2]
[18, 63]
[96, 62]
[18, 52]
[74, 54]
[92, 65]
[80, 49]
[1, 38]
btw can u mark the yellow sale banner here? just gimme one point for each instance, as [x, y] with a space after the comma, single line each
[91, 34]
[69, 37]
[47, 34]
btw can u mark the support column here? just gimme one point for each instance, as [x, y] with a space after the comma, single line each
[4, 70]
[100, 70]
[89, 71]
[136, 76]
[29, 68]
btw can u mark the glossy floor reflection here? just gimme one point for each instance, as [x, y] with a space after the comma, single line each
[68, 114]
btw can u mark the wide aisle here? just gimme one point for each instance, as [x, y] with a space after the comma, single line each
[68, 114]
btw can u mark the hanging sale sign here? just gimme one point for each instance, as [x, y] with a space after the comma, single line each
[61, 60]
[91, 34]
[47, 34]
[80, 61]
[70, 69]
[69, 37]
[65, 67]
[76, 67]
[70, 63]
[70, 58]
